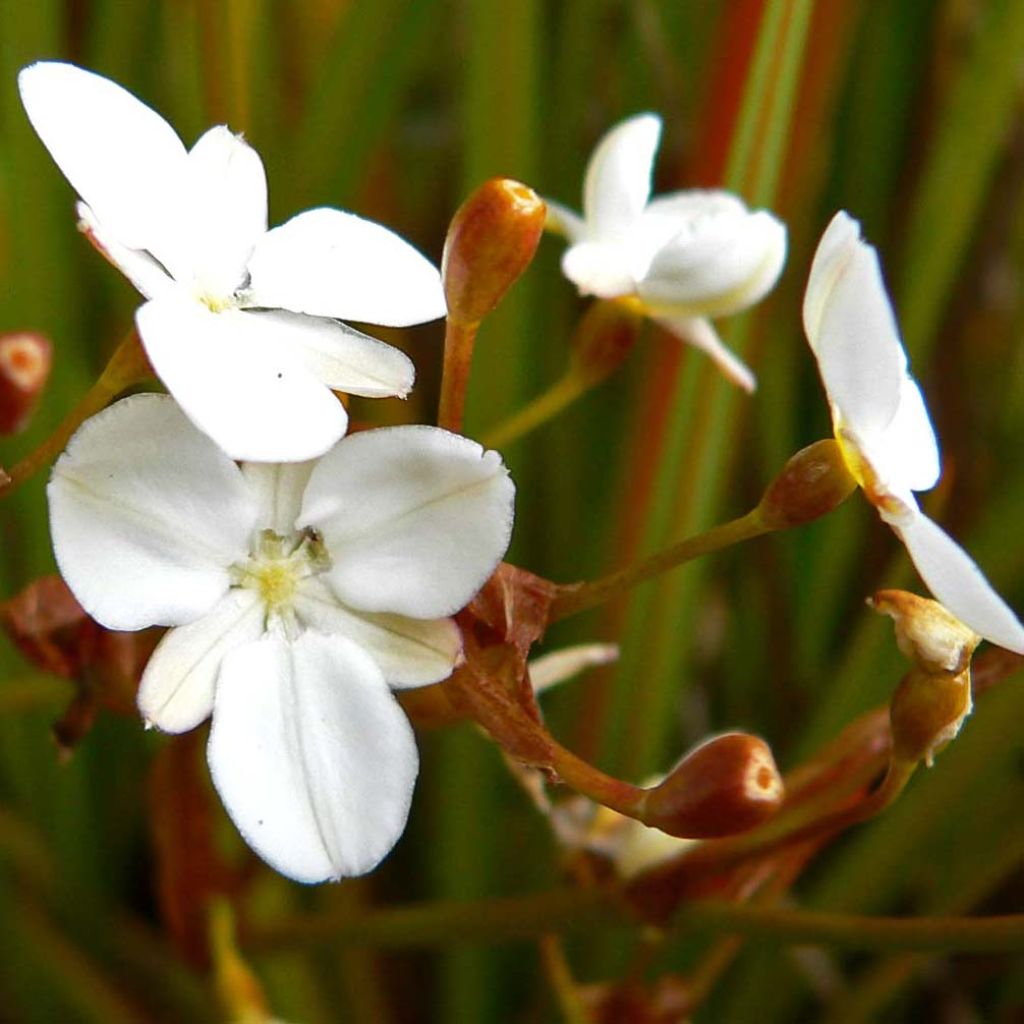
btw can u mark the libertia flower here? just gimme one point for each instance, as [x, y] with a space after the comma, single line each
[300, 595]
[684, 257]
[241, 324]
[882, 425]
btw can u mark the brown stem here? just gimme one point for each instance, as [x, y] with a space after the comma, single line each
[459, 339]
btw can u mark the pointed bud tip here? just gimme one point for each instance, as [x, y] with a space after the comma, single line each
[926, 632]
[491, 241]
[728, 784]
[813, 482]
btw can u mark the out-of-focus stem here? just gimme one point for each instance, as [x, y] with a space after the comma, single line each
[544, 407]
[128, 365]
[577, 597]
[459, 339]
[855, 931]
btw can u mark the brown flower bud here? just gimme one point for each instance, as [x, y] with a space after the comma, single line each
[25, 361]
[926, 712]
[605, 336]
[812, 483]
[726, 785]
[491, 241]
[926, 632]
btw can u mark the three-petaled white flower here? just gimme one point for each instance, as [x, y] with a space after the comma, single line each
[299, 594]
[683, 257]
[240, 323]
[882, 425]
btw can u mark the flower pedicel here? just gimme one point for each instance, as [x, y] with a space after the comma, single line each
[240, 323]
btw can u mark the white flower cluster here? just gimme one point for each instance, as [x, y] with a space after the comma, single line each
[307, 575]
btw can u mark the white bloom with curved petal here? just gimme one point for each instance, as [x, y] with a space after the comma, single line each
[882, 424]
[683, 257]
[243, 325]
[301, 594]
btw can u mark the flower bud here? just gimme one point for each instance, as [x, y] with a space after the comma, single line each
[926, 712]
[605, 336]
[812, 483]
[490, 242]
[728, 784]
[25, 361]
[926, 632]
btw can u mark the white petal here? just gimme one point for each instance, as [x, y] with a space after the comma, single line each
[137, 265]
[905, 456]
[245, 389]
[599, 268]
[717, 265]
[326, 262]
[312, 756]
[957, 583]
[338, 355]
[701, 333]
[560, 666]
[147, 515]
[618, 179]
[560, 220]
[277, 488]
[852, 331]
[120, 156]
[226, 210]
[665, 216]
[415, 519]
[176, 691]
[410, 652]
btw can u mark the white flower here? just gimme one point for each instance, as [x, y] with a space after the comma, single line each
[882, 425]
[299, 594]
[683, 257]
[241, 323]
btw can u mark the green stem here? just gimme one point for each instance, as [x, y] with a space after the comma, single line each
[128, 365]
[446, 922]
[544, 407]
[1001, 934]
[577, 597]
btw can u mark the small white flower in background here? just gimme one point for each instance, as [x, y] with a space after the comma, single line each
[882, 425]
[241, 324]
[300, 594]
[683, 257]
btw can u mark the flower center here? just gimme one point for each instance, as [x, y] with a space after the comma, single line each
[278, 564]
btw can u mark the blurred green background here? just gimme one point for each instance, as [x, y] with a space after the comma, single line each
[906, 114]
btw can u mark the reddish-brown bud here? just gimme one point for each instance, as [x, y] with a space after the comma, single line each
[606, 334]
[491, 241]
[926, 712]
[812, 483]
[25, 361]
[728, 784]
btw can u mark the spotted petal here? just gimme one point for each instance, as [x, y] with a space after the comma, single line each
[239, 384]
[143, 536]
[415, 519]
[312, 756]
